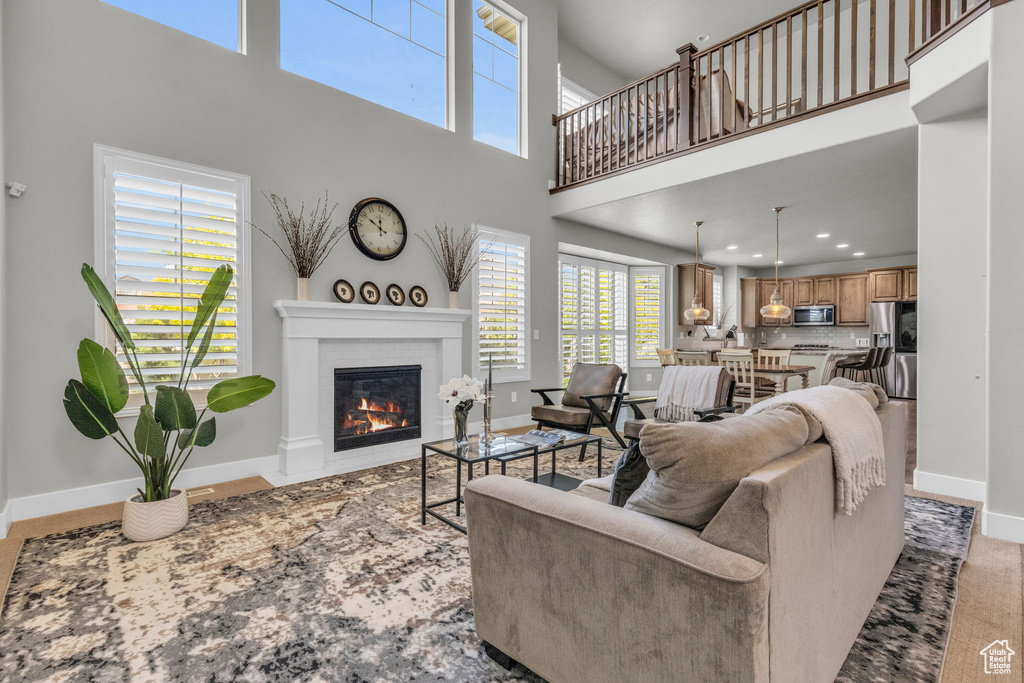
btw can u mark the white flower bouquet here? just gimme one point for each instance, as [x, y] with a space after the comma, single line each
[460, 394]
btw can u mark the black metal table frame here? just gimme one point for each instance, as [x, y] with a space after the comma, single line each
[504, 459]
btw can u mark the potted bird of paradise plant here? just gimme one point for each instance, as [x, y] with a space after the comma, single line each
[167, 429]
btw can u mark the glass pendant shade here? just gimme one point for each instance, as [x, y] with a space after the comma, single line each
[696, 311]
[775, 307]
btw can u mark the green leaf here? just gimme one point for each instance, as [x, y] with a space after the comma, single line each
[89, 415]
[213, 295]
[174, 409]
[106, 303]
[203, 435]
[149, 436]
[238, 393]
[204, 346]
[102, 375]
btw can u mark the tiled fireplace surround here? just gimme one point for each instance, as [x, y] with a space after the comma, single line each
[321, 336]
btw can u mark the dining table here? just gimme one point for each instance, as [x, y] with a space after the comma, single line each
[780, 374]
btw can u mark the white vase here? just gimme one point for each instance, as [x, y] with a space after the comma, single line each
[150, 521]
[453, 299]
[303, 289]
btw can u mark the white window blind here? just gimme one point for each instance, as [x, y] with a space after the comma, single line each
[502, 288]
[594, 313]
[649, 308]
[571, 95]
[165, 227]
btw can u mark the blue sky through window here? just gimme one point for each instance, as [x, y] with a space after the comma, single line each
[212, 20]
[391, 52]
[496, 45]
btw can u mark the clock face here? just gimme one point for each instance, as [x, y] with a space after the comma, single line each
[378, 229]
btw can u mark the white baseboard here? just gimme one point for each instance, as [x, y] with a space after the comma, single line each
[943, 485]
[349, 464]
[1006, 527]
[5, 519]
[56, 502]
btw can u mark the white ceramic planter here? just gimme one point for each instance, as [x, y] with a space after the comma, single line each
[150, 521]
[302, 289]
[453, 299]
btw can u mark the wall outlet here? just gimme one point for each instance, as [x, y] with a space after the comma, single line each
[649, 377]
[783, 335]
[853, 335]
[515, 397]
[536, 335]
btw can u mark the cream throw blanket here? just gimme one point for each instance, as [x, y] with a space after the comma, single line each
[854, 433]
[684, 389]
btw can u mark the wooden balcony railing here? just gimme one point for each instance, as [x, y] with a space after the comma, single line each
[943, 18]
[820, 56]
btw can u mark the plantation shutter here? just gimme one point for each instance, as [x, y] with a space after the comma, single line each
[571, 95]
[594, 305]
[167, 228]
[501, 296]
[648, 313]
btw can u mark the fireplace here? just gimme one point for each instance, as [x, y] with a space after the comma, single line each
[374, 406]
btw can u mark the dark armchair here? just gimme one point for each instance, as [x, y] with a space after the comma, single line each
[592, 398]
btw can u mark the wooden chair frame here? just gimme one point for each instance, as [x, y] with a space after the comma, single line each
[596, 412]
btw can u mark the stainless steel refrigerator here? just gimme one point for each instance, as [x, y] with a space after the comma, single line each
[895, 324]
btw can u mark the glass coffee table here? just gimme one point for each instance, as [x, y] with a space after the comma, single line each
[503, 450]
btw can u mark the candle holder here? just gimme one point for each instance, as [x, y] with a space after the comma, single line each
[487, 437]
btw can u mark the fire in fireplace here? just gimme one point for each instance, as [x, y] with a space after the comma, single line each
[376, 405]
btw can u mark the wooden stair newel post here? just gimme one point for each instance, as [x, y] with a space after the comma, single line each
[684, 94]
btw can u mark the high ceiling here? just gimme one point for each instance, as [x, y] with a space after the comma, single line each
[638, 37]
[862, 194]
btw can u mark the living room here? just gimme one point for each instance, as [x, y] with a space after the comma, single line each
[239, 106]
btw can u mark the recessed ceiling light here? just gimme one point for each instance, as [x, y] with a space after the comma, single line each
[703, 38]
[858, 253]
[758, 255]
[732, 246]
[842, 246]
[823, 235]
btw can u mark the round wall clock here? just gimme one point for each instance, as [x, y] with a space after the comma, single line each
[377, 228]
[395, 295]
[418, 296]
[344, 291]
[369, 292]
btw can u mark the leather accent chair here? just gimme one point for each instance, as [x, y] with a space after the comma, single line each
[592, 398]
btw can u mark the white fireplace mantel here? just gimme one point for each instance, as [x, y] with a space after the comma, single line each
[306, 323]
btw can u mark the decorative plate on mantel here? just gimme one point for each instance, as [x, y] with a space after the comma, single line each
[369, 292]
[418, 296]
[344, 291]
[395, 295]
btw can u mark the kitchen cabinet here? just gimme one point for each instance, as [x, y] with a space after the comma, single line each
[787, 289]
[910, 284]
[886, 285]
[825, 290]
[804, 291]
[750, 302]
[706, 283]
[852, 300]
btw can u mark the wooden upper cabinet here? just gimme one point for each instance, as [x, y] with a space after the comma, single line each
[767, 287]
[910, 284]
[886, 285]
[825, 290]
[750, 302]
[706, 282]
[804, 291]
[788, 288]
[852, 302]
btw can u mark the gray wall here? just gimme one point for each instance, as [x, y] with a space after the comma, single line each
[4, 492]
[87, 73]
[580, 67]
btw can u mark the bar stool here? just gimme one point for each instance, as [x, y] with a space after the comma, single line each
[880, 376]
[861, 365]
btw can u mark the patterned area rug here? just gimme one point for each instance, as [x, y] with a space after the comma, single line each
[336, 580]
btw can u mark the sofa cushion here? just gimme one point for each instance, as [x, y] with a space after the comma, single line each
[696, 466]
[565, 415]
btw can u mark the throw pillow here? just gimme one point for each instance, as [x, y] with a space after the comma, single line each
[630, 472]
[696, 466]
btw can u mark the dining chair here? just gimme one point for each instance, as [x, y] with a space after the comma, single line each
[667, 357]
[692, 358]
[828, 368]
[772, 358]
[858, 366]
[741, 366]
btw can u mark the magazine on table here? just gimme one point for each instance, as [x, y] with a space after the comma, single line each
[540, 438]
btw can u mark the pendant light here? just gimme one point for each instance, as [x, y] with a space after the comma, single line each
[696, 312]
[775, 307]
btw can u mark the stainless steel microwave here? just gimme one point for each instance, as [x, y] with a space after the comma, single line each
[814, 316]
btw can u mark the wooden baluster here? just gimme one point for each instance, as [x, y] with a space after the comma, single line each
[684, 89]
[912, 38]
[775, 71]
[835, 59]
[944, 14]
[871, 44]
[734, 113]
[821, 53]
[664, 113]
[588, 142]
[760, 77]
[803, 60]
[853, 48]
[721, 91]
[789, 65]
[746, 77]
[892, 42]
[963, 7]
[647, 120]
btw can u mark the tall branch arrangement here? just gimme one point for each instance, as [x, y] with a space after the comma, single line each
[455, 254]
[309, 240]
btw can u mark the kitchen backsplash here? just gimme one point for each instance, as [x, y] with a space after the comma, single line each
[833, 336]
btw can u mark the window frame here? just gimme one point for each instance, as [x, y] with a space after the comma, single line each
[489, 234]
[596, 332]
[522, 117]
[663, 322]
[564, 84]
[104, 255]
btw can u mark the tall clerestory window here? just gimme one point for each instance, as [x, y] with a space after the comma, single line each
[391, 52]
[216, 21]
[497, 77]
